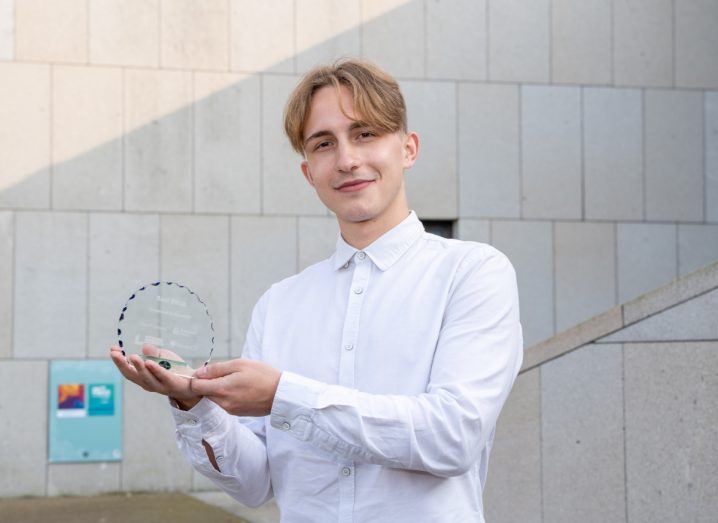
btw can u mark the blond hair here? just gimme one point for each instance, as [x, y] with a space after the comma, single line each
[376, 95]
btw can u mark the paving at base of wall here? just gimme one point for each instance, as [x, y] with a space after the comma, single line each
[115, 508]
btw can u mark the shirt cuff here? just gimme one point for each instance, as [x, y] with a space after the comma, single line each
[294, 404]
[206, 415]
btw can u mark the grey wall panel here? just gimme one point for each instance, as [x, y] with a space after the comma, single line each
[672, 431]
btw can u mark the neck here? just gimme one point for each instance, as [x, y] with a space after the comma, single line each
[362, 234]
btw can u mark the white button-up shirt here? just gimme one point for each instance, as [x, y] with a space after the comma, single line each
[396, 361]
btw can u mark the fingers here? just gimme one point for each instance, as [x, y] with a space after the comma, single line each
[150, 350]
[127, 370]
[209, 387]
[147, 380]
[217, 370]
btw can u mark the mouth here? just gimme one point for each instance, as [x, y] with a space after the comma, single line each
[355, 185]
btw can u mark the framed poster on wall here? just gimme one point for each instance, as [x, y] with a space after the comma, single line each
[85, 414]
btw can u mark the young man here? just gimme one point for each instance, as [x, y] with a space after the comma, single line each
[371, 382]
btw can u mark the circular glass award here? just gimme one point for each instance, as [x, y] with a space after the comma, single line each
[173, 321]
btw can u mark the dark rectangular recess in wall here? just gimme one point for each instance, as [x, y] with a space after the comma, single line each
[443, 228]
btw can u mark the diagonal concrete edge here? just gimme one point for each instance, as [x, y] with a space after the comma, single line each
[674, 293]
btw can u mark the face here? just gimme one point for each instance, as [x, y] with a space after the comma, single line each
[357, 172]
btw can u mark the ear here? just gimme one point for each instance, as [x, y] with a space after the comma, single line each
[307, 173]
[411, 149]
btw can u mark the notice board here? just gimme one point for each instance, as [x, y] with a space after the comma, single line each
[85, 415]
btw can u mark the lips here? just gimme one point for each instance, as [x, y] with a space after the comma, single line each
[354, 185]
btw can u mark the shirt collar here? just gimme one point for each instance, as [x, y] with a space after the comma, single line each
[385, 250]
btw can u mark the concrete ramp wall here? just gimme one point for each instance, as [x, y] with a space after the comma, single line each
[616, 419]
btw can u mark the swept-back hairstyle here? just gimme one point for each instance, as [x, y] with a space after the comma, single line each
[377, 98]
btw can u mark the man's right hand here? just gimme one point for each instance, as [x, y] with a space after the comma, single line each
[153, 378]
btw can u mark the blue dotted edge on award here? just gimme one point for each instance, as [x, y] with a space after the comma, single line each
[164, 362]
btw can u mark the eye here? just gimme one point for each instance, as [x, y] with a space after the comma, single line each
[322, 145]
[366, 134]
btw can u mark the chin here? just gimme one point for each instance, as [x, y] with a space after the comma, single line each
[357, 215]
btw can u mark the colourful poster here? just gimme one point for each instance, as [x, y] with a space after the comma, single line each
[85, 418]
[101, 399]
[71, 400]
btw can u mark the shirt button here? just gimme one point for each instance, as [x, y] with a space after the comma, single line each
[192, 421]
[286, 425]
[348, 347]
[358, 290]
[346, 471]
[361, 255]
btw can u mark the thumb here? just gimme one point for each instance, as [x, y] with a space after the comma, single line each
[215, 370]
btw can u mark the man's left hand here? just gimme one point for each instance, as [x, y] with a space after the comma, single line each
[241, 387]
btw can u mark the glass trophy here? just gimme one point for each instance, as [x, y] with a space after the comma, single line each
[173, 320]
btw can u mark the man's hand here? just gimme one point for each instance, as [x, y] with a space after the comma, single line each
[153, 378]
[241, 387]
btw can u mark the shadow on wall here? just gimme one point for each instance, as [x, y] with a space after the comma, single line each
[131, 153]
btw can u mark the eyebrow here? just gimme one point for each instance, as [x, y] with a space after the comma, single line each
[355, 125]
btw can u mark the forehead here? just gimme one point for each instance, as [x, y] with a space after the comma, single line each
[330, 107]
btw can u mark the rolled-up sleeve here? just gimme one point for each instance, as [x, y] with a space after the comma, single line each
[238, 443]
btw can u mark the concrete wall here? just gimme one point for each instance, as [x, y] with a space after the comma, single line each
[620, 432]
[142, 139]
[623, 428]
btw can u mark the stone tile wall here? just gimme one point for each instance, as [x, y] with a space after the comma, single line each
[144, 137]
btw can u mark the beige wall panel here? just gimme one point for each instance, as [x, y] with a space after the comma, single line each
[7, 29]
[326, 30]
[53, 31]
[24, 136]
[513, 486]
[158, 141]
[551, 152]
[646, 256]
[711, 155]
[124, 255]
[697, 247]
[125, 32]
[227, 143]
[696, 43]
[264, 251]
[581, 41]
[643, 42]
[489, 151]
[151, 459]
[250, 48]
[456, 39]
[51, 285]
[82, 479]
[195, 252]
[582, 436]
[529, 246]
[473, 230]
[585, 271]
[23, 424]
[393, 36]
[519, 40]
[672, 431]
[613, 153]
[674, 155]
[284, 189]
[317, 239]
[195, 34]
[694, 319]
[431, 184]
[7, 254]
[87, 138]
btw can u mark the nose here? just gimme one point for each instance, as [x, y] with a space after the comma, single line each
[346, 157]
